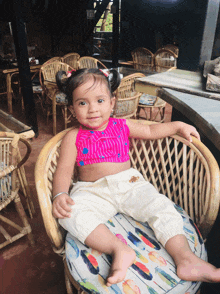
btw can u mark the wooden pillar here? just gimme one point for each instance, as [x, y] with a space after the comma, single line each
[115, 34]
[20, 41]
[209, 31]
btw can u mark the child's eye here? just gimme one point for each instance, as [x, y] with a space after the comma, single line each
[100, 100]
[82, 103]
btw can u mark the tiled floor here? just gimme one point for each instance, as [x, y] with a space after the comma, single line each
[33, 270]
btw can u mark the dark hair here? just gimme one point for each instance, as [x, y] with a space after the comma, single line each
[68, 84]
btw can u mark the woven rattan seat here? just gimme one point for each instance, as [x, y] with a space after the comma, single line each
[186, 172]
[11, 182]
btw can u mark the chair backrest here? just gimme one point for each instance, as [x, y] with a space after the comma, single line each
[11, 160]
[164, 60]
[56, 58]
[48, 71]
[90, 62]
[71, 59]
[186, 172]
[127, 98]
[142, 58]
[172, 48]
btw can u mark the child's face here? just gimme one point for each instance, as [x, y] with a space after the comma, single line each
[93, 105]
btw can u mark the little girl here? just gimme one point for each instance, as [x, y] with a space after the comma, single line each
[108, 185]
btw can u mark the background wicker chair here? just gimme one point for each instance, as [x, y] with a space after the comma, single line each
[143, 59]
[52, 96]
[186, 172]
[55, 58]
[164, 60]
[153, 106]
[90, 62]
[11, 182]
[71, 59]
[173, 48]
[127, 98]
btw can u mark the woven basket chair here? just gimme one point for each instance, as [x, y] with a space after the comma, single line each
[11, 182]
[90, 62]
[165, 59]
[143, 59]
[153, 106]
[71, 59]
[127, 98]
[173, 48]
[186, 172]
[52, 96]
[55, 58]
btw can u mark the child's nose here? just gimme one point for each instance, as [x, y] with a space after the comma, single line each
[92, 107]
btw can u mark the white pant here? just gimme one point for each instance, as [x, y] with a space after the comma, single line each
[126, 192]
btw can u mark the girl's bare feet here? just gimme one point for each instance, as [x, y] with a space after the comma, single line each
[123, 257]
[103, 240]
[192, 268]
[189, 266]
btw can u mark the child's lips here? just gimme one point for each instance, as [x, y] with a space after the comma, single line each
[93, 118]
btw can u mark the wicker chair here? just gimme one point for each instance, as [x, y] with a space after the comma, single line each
[11, 182]
[127, 98]
[52, 96]
[71, 59]
[90, 62]
[153, 106]
[165, 59]
[143, 59]
[172, 48]
[186, 172]
[55, 58]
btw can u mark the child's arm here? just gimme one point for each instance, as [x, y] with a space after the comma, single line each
[63, 175]
[161, 130]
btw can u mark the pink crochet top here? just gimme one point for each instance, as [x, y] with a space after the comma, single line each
[109, 145]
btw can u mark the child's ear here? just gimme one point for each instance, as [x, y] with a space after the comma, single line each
[113, 101]
[71, 109]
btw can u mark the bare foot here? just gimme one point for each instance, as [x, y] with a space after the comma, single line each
[193, 268]
[123, 257]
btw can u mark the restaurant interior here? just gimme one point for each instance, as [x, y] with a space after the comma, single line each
[167, 54]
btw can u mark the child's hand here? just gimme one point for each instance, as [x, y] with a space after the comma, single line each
[61, 208]
[186, 131]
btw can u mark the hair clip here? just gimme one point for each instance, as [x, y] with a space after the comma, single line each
[69, 73]
[104, 71]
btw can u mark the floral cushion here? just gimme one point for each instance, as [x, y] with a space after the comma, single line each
[153, 271]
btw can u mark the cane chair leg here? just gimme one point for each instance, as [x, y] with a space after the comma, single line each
[23, 216]
[71, 283]
[69, 289]
[149, 113]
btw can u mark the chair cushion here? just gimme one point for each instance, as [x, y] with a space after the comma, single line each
[147, 99]
[37, 88]
[5, 185]
[153, 272]
[61, 98]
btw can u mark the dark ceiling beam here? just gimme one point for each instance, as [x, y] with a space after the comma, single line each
[115, 34]
[20, 41]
